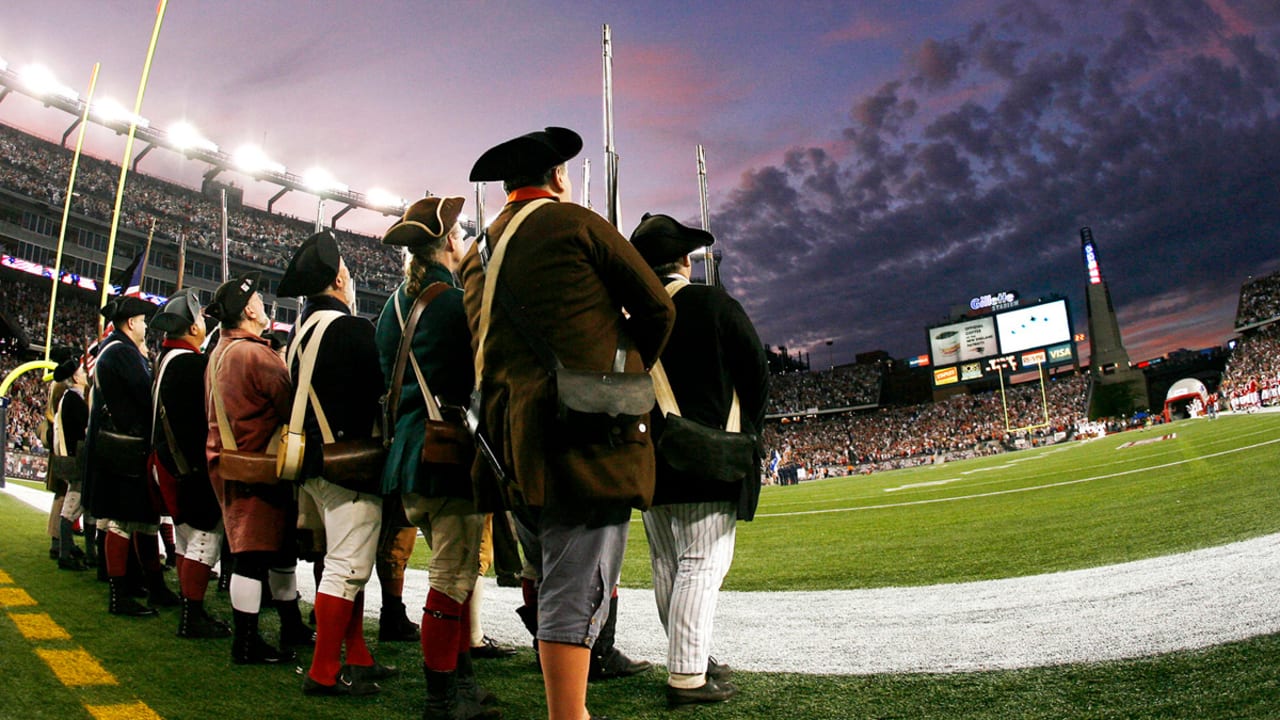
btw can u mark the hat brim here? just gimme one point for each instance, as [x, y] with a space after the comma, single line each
[527, 155]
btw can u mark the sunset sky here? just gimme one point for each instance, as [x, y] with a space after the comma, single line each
[871, 164]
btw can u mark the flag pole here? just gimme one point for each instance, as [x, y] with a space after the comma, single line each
[66, 211]
[128, 154]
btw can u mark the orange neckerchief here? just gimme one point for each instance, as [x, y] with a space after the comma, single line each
[529, 193]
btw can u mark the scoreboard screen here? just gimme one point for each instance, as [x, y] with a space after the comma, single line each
[1009, 341]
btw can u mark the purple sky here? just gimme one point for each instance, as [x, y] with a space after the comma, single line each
[871, 165]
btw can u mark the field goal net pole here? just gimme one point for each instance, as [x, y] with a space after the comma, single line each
[1044, 404]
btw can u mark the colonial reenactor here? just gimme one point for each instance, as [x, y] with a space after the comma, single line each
[438, 498]
[341, 391]
[116, 487]
[69, 424]
[713, 360]
[180, 467]
[563, 281]
[247, 384]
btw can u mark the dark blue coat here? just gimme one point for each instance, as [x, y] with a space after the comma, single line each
[120, 401]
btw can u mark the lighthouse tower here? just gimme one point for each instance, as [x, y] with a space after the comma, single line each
[1118, 388]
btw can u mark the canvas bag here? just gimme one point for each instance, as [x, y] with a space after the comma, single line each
[688, 446]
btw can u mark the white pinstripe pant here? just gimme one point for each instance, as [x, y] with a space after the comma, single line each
[691, 549]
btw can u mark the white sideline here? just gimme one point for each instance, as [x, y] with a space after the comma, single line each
[1190, 600]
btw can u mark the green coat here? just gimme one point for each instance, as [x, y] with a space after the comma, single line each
[442, 345]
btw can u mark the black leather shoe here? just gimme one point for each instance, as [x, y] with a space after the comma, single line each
[345, 686]
[489, 649]
[375, 673]
[719, 671]
[72, 563]
[710, 692]
[615, 665]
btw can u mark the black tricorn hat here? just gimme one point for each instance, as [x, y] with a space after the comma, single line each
[313, 267]
[428, 219]
[231, 297]
[527, 155]
[660, 239]
[65, 370]
[125, 307]
[178, 313]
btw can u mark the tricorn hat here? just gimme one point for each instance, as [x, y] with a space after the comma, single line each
[124, 307]
[527, 155]
[428, 219]
[313, 267]
[660, 239]
[65, 370]
[178, 313]
[231, 297]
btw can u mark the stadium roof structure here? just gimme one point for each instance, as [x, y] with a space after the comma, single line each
[182, 140]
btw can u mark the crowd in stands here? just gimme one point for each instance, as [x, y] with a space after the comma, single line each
[958, 427]
[1259, 300]
[842, 387]
[28, 396]
[27, 304]
[40, 169]
[1252, 377]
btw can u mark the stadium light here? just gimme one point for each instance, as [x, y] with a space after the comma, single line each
[4, 64]
[184, 136]
[109, 111]
[385, 199]
[317, 179]
[252, 160]
[41, 81]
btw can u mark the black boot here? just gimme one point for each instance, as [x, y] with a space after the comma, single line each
[249, 648]
[99, 538]
[442, 700]
[120, 603]
[195, 623]
[607, 661]
[293, 632]
[158, 593]
[470, 694]
[394, 624]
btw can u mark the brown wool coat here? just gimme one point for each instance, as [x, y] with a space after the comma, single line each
[573, 273]
[257, 395]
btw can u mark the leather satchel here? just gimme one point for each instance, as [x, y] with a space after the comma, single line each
[691, 447]
[446, 438]
[688, 446]
[254, 468]
[119, 454]
[602, 407]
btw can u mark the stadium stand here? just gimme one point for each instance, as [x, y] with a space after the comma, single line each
[1259, 301]
[1252, 378]
[843, 387]
[959, 427]
[38, 169]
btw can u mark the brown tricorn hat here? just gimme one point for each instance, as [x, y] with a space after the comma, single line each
[430, 218]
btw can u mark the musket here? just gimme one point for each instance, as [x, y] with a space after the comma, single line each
[182, 261]
[610, 152]
[226, 268]
[708, 258]
[586, 183]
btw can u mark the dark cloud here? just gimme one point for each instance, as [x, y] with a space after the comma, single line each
[974, 172]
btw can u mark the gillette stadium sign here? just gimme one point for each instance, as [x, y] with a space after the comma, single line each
[997, 301]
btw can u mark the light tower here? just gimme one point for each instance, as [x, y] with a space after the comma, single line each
[1117, 387]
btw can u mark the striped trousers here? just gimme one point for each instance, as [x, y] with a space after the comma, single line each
[691, 549]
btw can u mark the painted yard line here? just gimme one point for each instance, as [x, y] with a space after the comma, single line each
[75, 668]
[38, 626]
[132, 711]
[1012, 491]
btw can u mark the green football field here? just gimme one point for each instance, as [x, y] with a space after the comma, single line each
[1173, 488]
